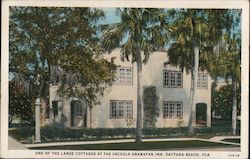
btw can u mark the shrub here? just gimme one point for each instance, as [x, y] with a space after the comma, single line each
[23, 133]
[167, 132]
[221, 122]
[52, 132]
[213, 131]
[222, 102]
[21, 106]
[55, 133]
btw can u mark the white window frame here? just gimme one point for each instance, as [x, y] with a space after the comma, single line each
[172, 79]
[172, 109]
[121, 109]
[124, 76]
[202, 82]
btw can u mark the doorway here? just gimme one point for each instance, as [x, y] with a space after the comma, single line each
[201, 114]
[78, 114]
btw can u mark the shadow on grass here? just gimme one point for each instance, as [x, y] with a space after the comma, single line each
[234, 140]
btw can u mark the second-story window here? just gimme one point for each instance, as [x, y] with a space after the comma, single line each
[172, 79]
[202, 81]
[124, 76]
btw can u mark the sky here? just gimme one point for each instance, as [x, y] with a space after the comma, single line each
[110, 16]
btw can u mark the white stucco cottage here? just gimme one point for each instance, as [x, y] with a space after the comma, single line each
[118, 105]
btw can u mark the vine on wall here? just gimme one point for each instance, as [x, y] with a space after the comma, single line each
[151, 106]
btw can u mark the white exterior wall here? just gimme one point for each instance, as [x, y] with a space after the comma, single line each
[152, 74]
[204, 96]
[66, 109]
[101, 112]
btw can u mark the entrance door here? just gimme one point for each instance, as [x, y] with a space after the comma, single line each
[78, 114]
[201, 114]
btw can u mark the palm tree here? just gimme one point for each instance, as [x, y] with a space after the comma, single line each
[194, 33]
[227, 65]
[140, 31]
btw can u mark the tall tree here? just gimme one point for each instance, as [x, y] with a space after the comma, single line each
[61, 42]
[139, 33]
[227, 65]
[195, 31]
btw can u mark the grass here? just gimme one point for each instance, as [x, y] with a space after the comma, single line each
[234, 140]
[152, 145]
[123, 138]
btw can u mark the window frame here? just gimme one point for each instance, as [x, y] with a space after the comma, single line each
[170, 110]
[125, 82]
[121, 111]
[170, 79]
[200, 81]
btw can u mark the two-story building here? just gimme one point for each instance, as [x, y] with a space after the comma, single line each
[118, 105]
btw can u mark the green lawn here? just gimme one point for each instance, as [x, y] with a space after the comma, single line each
[122, 138]
[234, 140]
[153, 145]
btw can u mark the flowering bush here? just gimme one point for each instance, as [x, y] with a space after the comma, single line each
[222, 101]
[21, 106]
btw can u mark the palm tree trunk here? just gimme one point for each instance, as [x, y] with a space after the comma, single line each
[190, 121]
[234, 111]
[138, 137]
[194, 80]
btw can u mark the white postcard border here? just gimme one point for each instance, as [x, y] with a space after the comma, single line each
[237, 4]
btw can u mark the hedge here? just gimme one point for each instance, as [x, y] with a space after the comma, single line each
[213, 130]
[23, 133]
[52, 133]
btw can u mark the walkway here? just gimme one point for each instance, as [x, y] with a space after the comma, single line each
[15, 145]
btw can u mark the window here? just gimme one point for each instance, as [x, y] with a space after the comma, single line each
[47, 112]
[202, 81]
[55, 108]
[121, 109]
[124, 76]
[77, 107]
[55, 74]
[172, 79]
[172, 109]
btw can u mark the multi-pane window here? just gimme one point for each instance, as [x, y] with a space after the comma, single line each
[202, 80]
[124, 76]
[55, 74]
[172, 109]
[77, 107]
[121, 109]
[179, 110]
[172, 79]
